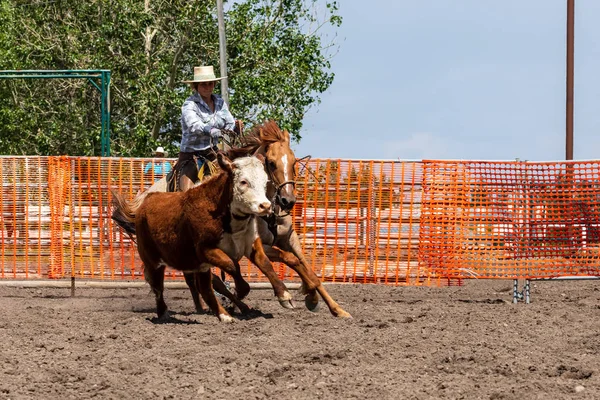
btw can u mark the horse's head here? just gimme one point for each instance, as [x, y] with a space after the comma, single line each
[249, 187]
[280, 164]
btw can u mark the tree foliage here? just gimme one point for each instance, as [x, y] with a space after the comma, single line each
[278, 64]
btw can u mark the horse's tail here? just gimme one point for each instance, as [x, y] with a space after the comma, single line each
[124, 211]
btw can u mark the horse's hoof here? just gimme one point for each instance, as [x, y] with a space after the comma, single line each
[312, 303]
[343, 314]
[286, 300]
[287, 303]
[226, 318]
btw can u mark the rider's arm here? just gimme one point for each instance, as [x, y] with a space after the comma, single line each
[227, 117]
[192, 120]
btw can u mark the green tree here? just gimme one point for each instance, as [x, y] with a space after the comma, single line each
[278, 66]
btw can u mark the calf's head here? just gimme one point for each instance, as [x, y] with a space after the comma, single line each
[249, 187]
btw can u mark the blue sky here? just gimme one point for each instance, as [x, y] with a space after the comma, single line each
[458, 79]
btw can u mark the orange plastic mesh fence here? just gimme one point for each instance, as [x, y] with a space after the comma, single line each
[402, 223]
[25, 224]
[510, 219]
[358, 221]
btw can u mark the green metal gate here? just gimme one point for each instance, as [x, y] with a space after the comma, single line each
[99, 78]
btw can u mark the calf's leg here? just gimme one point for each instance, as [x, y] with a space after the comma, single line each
[206, 290]
[190, 280]
[232, 267]
[155, 278]
[220, 287]
[218, 258]
[241, 287]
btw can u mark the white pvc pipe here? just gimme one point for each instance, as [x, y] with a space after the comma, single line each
[565, 278]
[117, 285]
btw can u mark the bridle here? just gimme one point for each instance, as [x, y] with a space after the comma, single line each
[276, 199]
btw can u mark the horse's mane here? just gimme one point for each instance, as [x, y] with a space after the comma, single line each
[267, 133]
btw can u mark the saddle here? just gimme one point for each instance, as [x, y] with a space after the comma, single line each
[196, 166]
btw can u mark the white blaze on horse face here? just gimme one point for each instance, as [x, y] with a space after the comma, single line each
[288, 176]
[249, 187]
[284, 160]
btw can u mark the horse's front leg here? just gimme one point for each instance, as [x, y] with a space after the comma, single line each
[311, 282]
[260, 259]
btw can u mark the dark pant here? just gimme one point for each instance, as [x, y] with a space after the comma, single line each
[187, 165]
[209, 154]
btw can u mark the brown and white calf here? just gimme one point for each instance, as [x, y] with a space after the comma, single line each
[184, 229]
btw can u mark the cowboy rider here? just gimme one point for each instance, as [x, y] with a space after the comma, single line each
[204, 117]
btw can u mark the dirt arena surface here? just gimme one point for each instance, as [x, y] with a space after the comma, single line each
[404, 343]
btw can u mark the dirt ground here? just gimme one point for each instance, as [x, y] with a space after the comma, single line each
[403, 343]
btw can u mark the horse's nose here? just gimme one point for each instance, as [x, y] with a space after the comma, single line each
[265, 207]
[287, 203]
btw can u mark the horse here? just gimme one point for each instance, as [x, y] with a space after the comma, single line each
[183, 229]
[280, 240]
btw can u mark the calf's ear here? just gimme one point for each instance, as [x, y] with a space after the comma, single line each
[224, 162]
[261, 158]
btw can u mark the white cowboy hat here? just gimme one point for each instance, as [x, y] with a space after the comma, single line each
[159, 149]
[204, 73]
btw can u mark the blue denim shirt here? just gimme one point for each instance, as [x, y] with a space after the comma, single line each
[197, 121]
[161, 168]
